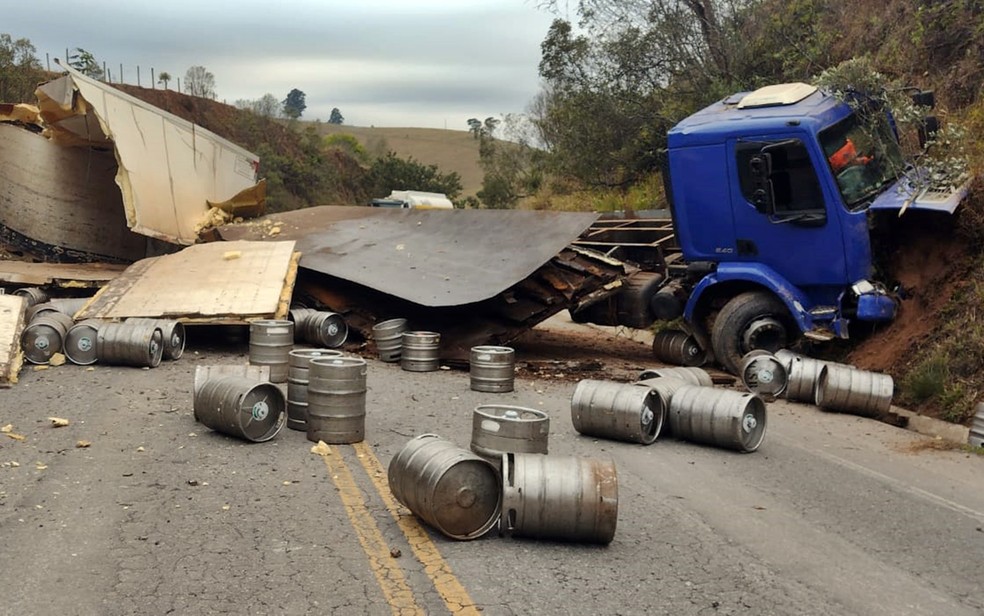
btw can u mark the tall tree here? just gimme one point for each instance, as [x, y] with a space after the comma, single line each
[336, 117]
[20, 71]
[164, 78]
[266, 106]
[475, 127]
[84, 62]
[294, 104]
[200, 82]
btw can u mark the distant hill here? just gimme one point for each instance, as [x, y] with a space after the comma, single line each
[450, 150]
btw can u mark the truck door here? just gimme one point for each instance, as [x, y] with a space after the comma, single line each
[799, 235]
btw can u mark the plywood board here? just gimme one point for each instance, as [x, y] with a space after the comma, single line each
[65, 275]
[219, 282]
[11, 326]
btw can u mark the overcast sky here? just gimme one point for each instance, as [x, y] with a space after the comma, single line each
[423, 63]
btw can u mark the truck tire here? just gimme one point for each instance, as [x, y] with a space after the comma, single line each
[749, 321]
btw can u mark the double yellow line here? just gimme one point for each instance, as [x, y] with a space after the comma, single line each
[390, 576]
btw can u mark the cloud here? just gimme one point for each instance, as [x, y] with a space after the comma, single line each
[382, 63]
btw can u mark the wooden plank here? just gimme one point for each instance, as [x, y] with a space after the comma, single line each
[66, 275]
[219, 282]
[11, 327]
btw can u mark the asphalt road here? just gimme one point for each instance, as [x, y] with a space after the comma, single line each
[832, 515]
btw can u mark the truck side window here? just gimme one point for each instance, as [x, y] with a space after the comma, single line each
[794, 180]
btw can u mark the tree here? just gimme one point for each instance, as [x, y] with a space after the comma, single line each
[164, 78]
[513, 167]
[20, 71]
[475, 127]
[393, 173]
[490, 125]
[294, 104]
[200, 82]
[85, 63]
[336, 117]
[266, 106]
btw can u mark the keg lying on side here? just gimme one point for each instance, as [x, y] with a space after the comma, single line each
[501, 428]
[449, 488]
[173, 333]
[388, 337]
[130, 344]
[692, 375]
[619, 411]
[32, 295]
[241, 407]
[80, 342]
[678, 348]
[44, 336]
[803, 374]
[319, 327]
[763, 373]
[719, 417]
[859, 392]
[559, 497]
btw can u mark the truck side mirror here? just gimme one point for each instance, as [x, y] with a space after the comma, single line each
[760, 168]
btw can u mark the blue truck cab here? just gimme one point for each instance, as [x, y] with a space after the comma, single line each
[770, 193]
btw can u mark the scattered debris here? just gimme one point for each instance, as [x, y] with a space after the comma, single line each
[83, 444]
[58, 422]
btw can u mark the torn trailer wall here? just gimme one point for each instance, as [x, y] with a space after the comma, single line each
[108, 162]
[61, 204]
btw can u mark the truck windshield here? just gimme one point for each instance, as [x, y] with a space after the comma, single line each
[864, 156]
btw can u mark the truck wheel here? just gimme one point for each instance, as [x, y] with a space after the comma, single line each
[749, 321]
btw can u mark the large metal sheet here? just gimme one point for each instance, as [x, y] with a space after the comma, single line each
[430, 257]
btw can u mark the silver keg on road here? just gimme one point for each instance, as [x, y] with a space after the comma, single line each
[492, 369]
[336, 397]
[718, 417]
[270, 343]
[241, 407]
[619, 411]
[80, 342]
[420, 351]
[449, 488]
[503, 428]
[44, 336]
[297, 384]
[388, 337]
[559, 497]
[173, 333]
[130, 344]
[679, 348]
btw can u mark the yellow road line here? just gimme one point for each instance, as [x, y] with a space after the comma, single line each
[455, 596]
[388, 573]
